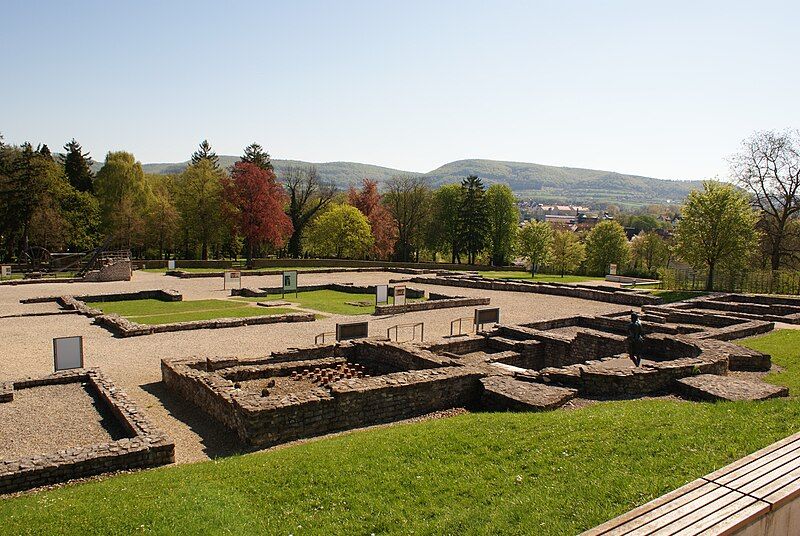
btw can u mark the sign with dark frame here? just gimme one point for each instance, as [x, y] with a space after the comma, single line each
[486, 315]
[352, 330]
[67, 353]
[289, 279]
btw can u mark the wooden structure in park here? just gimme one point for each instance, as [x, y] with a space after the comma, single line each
[756, 495]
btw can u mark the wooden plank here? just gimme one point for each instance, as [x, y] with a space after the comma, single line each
[788, 455]
[743, 508]
[777, 491]
[646, 513]
[672, 521]
[763, 475]
[789, 443]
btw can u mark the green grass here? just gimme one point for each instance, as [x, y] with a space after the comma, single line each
[490, 473]
[671, 296]
[542, 278]
[329, 301]
[162, 312]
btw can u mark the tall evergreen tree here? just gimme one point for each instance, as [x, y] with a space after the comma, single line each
[204, 152]
[78, 167]
[255, 154]
[474, 217]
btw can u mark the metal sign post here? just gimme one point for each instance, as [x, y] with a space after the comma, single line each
[171, 264]
[612, 269]
[352, 330]
[67, 353]
[486, 315]
[381, 294]
[5, 271]
[400, 295]
[290, 282]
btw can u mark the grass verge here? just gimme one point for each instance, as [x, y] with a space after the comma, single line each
[162, 312]
[490, 473]
[542, 278]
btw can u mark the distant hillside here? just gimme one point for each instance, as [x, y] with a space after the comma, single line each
[535, 181]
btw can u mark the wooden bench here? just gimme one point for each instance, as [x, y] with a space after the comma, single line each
[756, 495]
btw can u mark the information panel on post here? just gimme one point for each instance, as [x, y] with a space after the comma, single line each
[352, 330]
[171, 264]
[400, 295]
[381, 294]
[290, 282]
[67, 353]
[612, 269]
[486, 315]
[5, 271]
[233, 278]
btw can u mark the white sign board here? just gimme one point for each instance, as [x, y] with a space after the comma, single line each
[381, 294]
[232, 279]
[5, 271]
[290, 282]
[67, 353]
[612, 269]
[400, 295]
[171, 264]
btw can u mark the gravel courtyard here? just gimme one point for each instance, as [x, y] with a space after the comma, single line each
[134, 363]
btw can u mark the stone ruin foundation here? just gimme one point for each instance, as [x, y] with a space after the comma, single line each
[313, 391]
[131, 442]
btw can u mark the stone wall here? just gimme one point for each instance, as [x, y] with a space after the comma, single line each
[430, 305]
[610, 294]
[145, 447]
[342, 405]
[116, 271]
[264, 292]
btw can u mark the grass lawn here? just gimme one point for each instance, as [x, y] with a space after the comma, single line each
[490, 473]
[329, 301]
[542, 278]
[162, 312]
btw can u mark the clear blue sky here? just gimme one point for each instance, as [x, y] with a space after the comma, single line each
[665, 89]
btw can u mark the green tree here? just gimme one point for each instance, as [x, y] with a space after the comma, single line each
[474, 217]
[204, 152]
[199, 202]
[567, 252]
[717, 228]
[503, 212]
[163, 220]
[123, 194]
[308, 195]
[341, 232]
[78, 167]
[255, 154]
[649, 251]
[535, 243]
[444, 229]
[606, 244]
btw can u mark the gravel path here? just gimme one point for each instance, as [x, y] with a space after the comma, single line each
[50, 418]
[134, 363]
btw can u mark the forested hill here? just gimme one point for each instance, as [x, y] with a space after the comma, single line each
[543, 183]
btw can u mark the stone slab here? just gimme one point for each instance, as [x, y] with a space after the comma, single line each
[502, 392]
[713, 387]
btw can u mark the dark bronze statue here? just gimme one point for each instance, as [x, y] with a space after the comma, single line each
[635, 340]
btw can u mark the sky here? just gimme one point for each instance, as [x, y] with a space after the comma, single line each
[662, 89]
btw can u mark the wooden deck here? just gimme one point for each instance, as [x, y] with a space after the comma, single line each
[728, 501]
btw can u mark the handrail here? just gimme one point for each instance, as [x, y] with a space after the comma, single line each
[412, 325]
[322, 335]
[460, 325]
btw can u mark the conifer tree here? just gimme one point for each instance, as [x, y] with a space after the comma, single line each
[204, 152]
[78, 167]
[255, 154]
[474, 217]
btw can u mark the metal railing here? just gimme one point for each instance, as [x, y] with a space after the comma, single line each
[322, 336]
[460, 322]
[412, 325]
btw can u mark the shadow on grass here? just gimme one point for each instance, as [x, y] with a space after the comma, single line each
[216, 438]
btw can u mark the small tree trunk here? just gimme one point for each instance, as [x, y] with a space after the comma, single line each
[710, 280]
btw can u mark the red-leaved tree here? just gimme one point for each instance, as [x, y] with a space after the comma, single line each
[254, 204]
[384, 228]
